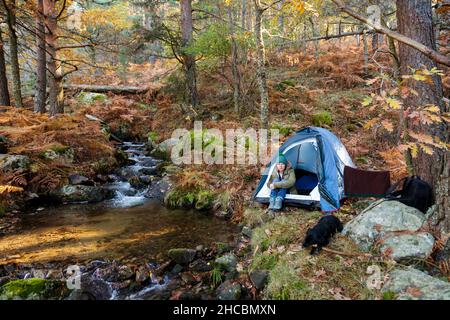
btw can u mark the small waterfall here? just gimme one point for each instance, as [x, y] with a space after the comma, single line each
[143, 166]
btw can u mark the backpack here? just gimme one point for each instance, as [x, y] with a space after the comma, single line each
[414, 193]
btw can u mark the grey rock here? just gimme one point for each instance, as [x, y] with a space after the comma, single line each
[148, 171]
[145, 180]
[94, 289]
[380, 219]
[408, 246]
[181, 255]
[9, 162]
[80, 193]
[412, 284]
[159, 189]
[76, 179]
[229, 291]
[227, 262]
[259, 278]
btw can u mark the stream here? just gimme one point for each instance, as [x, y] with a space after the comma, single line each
[129, 228]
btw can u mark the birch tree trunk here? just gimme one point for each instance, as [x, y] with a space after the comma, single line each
[41, 71]
[261, 65]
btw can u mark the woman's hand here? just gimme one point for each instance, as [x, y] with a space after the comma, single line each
[272, 186]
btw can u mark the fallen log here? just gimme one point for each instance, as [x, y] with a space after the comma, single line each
[105, 89]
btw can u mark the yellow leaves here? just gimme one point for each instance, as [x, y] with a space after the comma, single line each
[433, 109]
[414, 150]
[367, 101]
[419, 77]
[9, 189]
[426, 149]
[393, 103]
[299, 5]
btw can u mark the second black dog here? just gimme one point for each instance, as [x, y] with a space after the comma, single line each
[321, 233]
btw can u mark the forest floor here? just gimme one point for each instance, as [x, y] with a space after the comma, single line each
[302, 92]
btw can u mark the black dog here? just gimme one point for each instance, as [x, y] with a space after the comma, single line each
[322, 232]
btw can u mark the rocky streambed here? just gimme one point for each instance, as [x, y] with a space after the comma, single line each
[120, 242]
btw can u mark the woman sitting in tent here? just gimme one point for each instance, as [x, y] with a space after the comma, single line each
[281, 182]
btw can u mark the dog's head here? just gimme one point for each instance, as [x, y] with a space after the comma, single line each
[309, 239]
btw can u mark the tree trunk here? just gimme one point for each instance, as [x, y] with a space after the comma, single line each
[316, 42]
[188, 59]
[261, 65]
[415, 21]
[366, 53]
[4, 91]
[243, 14]
[374, 42]
[14, 52]
[106, 88]
[280, 18]
[41, 72]
[56, 90]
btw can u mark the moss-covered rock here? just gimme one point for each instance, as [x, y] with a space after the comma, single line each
[185, 198]
[91, 97]
[181, 255]
[33, 289]
[58, 151]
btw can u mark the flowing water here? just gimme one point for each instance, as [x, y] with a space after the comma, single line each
[128, 227]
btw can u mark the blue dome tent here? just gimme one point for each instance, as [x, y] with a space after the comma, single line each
[318, 158]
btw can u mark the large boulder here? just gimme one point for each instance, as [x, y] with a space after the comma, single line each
[10, 162]
[81, 193]
[408, 246]
[377, 221]
[412, 284]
